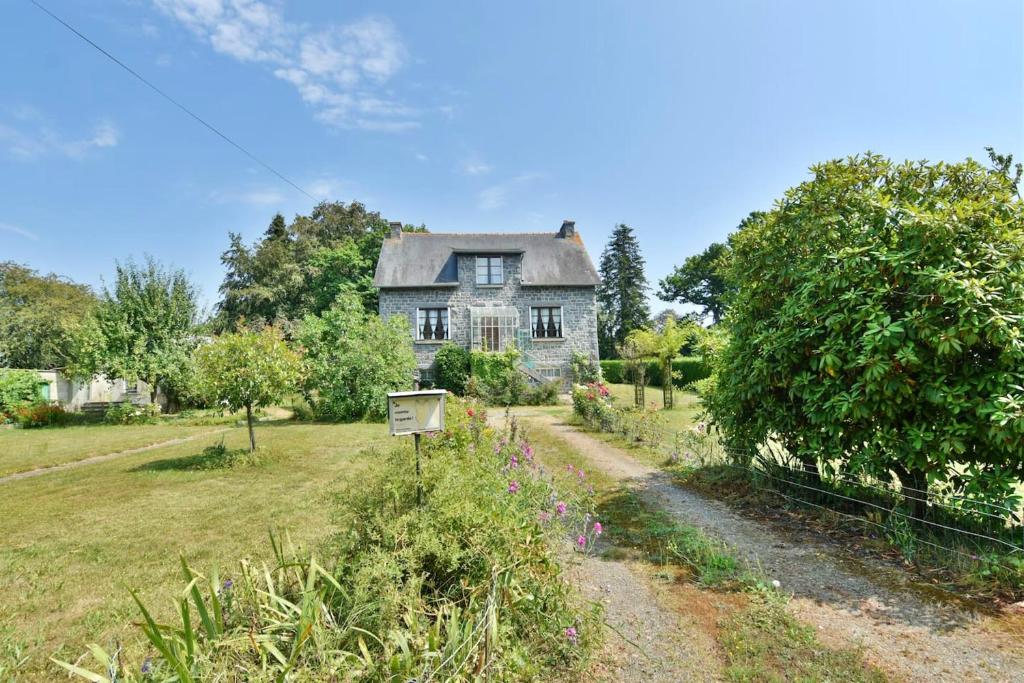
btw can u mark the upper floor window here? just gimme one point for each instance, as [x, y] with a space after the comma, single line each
[488, 270]
[432, 324]
[546, 322]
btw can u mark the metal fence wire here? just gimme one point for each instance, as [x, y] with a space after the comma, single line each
[984, 531]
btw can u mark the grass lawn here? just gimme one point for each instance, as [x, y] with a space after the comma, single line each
[29, 449]
[76, 540]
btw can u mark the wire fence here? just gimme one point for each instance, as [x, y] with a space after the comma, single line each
[976, 530]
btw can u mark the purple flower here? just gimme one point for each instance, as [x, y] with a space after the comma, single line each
[147, 666]
[580, 475]
[513, 461]
[513, 486]
[598, 529]
[569, 468]
[581, 541]
[560, 508]
[528, 451]
[228, 584]
[571, 635]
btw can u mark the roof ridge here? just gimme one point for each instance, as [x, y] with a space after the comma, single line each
[474, 234]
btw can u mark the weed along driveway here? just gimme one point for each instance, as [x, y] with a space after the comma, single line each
[908, 633]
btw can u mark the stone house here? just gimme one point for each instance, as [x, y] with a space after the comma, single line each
[486, 291]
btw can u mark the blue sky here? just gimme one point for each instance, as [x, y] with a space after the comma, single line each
[676, 118]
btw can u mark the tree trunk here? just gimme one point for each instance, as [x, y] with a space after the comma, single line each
[667, 396]
[915, 490]
[252, 434]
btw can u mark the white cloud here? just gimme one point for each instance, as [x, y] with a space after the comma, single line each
[337, 70]
[7, 227]
[475, 166]
[421, 156]
[35, 138]
[497, 196]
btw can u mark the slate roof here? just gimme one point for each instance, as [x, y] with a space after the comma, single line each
[429, 259]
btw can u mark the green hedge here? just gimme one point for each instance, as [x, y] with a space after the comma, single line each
[686, 370]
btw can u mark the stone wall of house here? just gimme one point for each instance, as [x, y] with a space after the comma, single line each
[579, 312]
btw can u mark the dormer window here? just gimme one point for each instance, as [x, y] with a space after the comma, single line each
[489, 270]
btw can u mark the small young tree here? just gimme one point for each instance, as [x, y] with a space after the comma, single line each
[664, 345]
[248, 370]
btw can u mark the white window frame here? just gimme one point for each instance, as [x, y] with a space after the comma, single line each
[418, 328]
[533, 320]
[489, 271]
[503, 320]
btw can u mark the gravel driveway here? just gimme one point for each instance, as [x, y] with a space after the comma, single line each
[851, 601]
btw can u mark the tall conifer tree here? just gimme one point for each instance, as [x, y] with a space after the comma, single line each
[622, 294]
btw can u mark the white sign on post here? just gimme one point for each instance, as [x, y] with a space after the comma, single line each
[416, 412]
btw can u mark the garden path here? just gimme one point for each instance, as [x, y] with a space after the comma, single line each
[850, 601]
[107, 456]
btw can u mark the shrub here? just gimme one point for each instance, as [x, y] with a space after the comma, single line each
[584, 368]
[469, 581]
[545, 394]
[353, 360]
[451, 367]
[128, 413]
[685, 371]
[18, 388]
[499, 380]
[33, 415]
[593, 405]
[877, 326]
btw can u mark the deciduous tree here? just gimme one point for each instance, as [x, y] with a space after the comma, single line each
[248, 370]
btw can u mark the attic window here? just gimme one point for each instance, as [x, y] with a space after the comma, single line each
[488, 270]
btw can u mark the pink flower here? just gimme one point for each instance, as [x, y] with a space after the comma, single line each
[544, 517]
[581, 541]
[560, 508]
[569, 468]
[513, 486]
[571, 635]
[598, 529]
[580, 475]
[513, 461]
[528, 451]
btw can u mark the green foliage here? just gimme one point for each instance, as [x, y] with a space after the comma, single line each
[19, 388]
[467, 582]
[299, 269]
[497, 378]
[353, 359]
[30, 415]
[142, 329]
[545, 394]
[127, 413]
[593, 405]
[685, 371]
[451, 367]
[39, 316]
[247, 370]
[622, 294]
[584, 368]
[877, 326]
[702, 280]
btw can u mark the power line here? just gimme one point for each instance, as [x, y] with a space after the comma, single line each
[170, 99]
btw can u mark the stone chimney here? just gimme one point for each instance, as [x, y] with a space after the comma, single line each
[396, 230]
[568, 229]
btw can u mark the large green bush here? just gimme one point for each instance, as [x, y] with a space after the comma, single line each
[451, 367]
[353, 359]
[877, 326]
[496, 377]
[685, 370]
[19, 388]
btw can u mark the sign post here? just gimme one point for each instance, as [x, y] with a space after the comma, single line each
[416, 412]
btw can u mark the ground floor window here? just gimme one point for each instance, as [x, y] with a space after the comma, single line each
[493, 327]
[550, 373]
[432, 324]
[546, 322]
